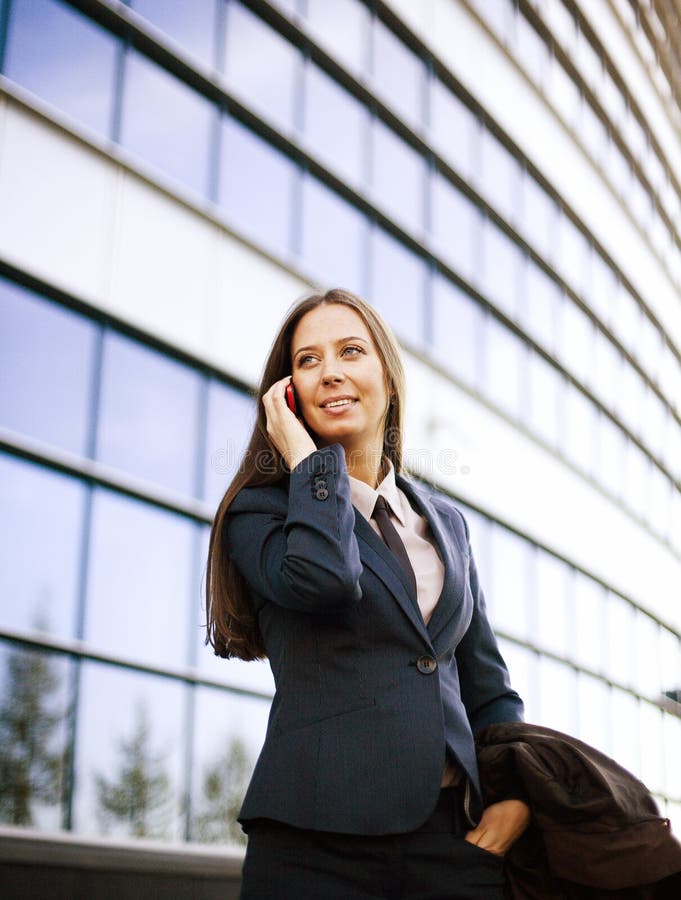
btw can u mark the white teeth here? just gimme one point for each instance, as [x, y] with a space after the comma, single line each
[338, 403]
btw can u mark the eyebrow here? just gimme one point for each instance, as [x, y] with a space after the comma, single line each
[339, 341]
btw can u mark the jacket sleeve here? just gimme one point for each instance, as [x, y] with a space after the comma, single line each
[483, 677]
[302, 555]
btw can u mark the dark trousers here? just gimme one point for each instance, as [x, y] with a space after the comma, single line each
[431, 863]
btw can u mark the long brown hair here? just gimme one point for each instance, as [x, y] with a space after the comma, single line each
[232, 627]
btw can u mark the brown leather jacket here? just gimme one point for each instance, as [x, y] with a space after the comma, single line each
[596, 832]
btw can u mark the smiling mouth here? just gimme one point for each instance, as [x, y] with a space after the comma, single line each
[336, 403]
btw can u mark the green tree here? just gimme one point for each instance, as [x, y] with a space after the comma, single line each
[31, 752]
[224, 785]
[139, 797]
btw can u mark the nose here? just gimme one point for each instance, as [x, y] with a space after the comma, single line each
[331, 373]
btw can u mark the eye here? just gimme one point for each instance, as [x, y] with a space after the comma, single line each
[352, 347]
[303, 359]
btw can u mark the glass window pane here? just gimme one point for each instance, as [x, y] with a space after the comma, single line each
[630, 398]
[192, 24]
[579, 434]
[39, 589]
[540, 306]
[396, 163]
[47, 366]
[611, 449]
[522, 667]
[229, 732]
[603, 288]
[671, 743]
[148, 414]
[540, 215]
[621, 641]
[456, 225]
[257, 185]
[626, 730]
[652, 758]
[454, 129]
[637, 479]
[501, 268]
[594, 713]
[34, 706]
[342, 27]
[457, 331]
[336, 124]
[139, 581]
[557, 695]
[129, 754]
[573, 254]
[590, 628]
[505, 367]
[271, 88]
[544, 406]
[649, 680]
[607, 365]
[499, 176]
[43, 40]
[399, 75]
[176, 137]
[509, 588]
[626, 321]
[554, 619]
[231, 416]
[330, 223]
[577, 342]
[398, 280]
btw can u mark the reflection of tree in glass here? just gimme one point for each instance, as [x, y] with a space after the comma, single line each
[224, 785]
[31, 766]
[139, 797]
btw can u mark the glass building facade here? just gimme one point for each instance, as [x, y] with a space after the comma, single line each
[502, 181]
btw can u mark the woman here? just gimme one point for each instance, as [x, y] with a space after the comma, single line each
[375, 627]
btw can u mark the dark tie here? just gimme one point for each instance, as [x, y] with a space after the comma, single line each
[382, 515]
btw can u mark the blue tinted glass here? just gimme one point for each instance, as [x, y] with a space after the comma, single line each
[44, 39]
[190, 24]
[501, 270]
[334, 234]
[398, 177]
[148, 414]
[256, 187]
[166, 122]
[231, 416]
[34, 704]
[398, 73]
[41, 519]
[126, 720]
[140, 587]
[46, 362]
[457, 331]
[268, 87]
[228, 736]
[335, 124]
[505, 367]
[398, 281]
[455, 129]
[456, 225]
[342, 27]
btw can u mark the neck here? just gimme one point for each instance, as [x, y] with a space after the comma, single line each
[366, 464]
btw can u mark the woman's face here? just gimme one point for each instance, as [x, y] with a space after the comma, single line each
[333, 356]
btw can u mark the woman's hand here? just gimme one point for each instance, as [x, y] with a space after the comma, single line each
[286, 430]
[501, 826]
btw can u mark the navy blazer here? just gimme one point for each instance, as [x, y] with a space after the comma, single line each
[362, 716]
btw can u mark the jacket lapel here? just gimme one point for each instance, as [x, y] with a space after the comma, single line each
[443, 532]
[377, 556]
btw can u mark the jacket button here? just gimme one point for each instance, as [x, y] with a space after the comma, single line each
[320, 482]
[322, 494]
[426, 665]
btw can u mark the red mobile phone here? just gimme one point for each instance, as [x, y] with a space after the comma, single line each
[291, 399]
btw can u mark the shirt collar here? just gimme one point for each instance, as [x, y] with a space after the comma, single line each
[364, 497]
